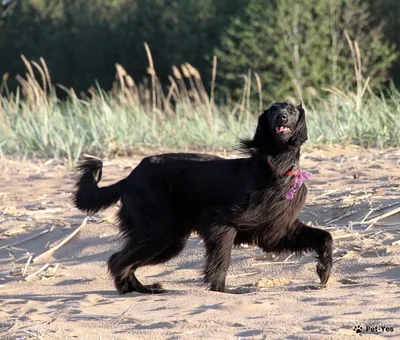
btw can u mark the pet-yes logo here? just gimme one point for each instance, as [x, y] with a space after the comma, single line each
[372, 329]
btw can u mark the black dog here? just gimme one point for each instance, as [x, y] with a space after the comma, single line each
[254, 200]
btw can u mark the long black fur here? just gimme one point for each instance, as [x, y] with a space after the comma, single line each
[227, 202]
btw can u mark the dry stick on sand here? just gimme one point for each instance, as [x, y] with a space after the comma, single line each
[25, 239]
[37, 272]
[367, 215]
[268, 262]
[64, 241]
[342, 236]
[242, 275]
[363, 221]
[101, 316]
[388, 205]
[285, 260]
[349, 213]
[382, 216]
[55, 268]
[26, 265]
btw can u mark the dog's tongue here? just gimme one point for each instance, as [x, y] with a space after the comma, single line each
[282, 129]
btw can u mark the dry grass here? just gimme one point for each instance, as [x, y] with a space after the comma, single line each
[183, 115]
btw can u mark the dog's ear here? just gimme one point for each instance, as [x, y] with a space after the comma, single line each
[300, 134]
[262, 124]
[259, 138]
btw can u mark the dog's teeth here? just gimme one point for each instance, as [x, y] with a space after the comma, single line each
[282, 129]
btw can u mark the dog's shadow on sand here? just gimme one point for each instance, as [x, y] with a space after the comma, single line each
[57, 297]
[63, 298]
[92, 244]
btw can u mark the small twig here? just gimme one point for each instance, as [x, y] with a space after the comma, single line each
[37, 272]
[339, 237]
[356, 223]
[384, 207]
[367, 215]
[241, 275]
[285, 260]
[13, 326]
[349, 213]
[265, 263]
[64, 241]
[101, 316]
[388, 206]
[353, 198]
[26, 265]
[377, 233]
[383, 224]
[123, 314]
[55, 268]
[29, 238]
[23, 257]
[382, 216]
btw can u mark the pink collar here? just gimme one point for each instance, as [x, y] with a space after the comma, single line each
[279, 171]
[299, 177]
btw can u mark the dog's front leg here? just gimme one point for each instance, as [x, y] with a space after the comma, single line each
[305, 238]
[219, 242]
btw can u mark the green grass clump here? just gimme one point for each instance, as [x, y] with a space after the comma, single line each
[34, 122]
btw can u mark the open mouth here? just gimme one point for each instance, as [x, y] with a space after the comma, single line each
[283, 129]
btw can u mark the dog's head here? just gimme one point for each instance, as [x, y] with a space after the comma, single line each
[280, 127]
[285, 123]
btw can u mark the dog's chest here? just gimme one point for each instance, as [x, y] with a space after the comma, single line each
[291, 208]
[278, 206]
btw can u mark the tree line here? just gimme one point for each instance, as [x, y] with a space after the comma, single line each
[291, 47]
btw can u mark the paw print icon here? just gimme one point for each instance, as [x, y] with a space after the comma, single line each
[357, 329]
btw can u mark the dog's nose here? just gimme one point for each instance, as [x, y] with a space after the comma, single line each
[282, 117]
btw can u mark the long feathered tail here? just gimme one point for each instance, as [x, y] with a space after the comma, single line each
[88, 196]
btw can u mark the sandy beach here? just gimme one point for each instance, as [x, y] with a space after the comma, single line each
[354, 194]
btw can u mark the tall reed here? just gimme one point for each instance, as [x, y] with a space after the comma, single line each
[181, 115]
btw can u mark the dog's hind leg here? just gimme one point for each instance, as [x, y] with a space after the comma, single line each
[122, 268]
[123, 264]
[175, 247]
[219, 241]
[305, 238]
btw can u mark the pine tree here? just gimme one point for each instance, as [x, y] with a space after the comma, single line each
[299, 46]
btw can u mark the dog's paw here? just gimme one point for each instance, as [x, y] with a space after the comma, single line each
[324, 272]
[155, 288]
[123, 285]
